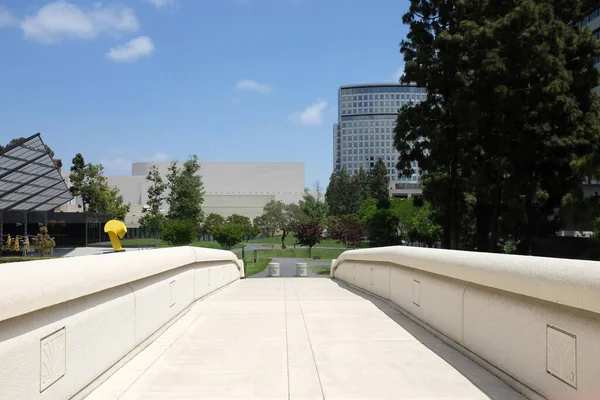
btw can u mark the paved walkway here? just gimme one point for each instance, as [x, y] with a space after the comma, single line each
[287, 268]
[300, 339]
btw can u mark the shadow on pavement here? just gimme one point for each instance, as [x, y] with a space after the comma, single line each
[487, 382]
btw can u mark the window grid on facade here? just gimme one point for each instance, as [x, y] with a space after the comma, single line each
[367, 117]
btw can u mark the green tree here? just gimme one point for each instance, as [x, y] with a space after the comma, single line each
[313, 208]
[431, 132]
[244, 222]
[382, 228]
[112, 203]
[186, 191]
[178, 232]
[211, 221]
[416, 221]
[379, 182]
[152, 217]
[292, 217]
[360, 189]
[273, 217]
[77, 178]
[309, 233]
[340, 196]
[89, 183]
[367, 210]
[44, 244]
[261, 224]
[509, 109]
[228, 234]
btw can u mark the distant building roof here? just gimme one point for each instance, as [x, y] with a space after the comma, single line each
[29, 179]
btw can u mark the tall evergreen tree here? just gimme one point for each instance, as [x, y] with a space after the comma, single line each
[186, 191]
[431, 132]
[517, 102]
[152, 217]
[77, 177]
[339, 195]
[379, 182]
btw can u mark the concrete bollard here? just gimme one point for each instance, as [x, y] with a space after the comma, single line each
[301, 269]
[273, 269]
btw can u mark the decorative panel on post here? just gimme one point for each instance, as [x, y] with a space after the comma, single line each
[53, 358]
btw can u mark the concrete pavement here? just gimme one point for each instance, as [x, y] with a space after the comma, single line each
[301, 339]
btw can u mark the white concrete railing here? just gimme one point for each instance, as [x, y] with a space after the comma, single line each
[533, 321]
[65, 322]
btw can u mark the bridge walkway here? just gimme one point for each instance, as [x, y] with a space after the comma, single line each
[299, 339]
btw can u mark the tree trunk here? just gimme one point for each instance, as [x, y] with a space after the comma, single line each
[283, 235]
[493, 227]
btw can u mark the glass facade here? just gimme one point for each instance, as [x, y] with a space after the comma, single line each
[365, 129]
[592, 21]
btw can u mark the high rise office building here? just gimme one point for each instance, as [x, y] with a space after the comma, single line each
[365, 129]
[592, 21]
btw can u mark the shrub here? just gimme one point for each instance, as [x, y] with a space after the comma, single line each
[178, 232]
[44, 243]
[229, 234]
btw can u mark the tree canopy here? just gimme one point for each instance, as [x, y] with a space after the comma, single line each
[186, 191]
[89, 183]
[509, 109]
[152, 218]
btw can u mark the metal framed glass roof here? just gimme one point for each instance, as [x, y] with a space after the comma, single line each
[29, 180]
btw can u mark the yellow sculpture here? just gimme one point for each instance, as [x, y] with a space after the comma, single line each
[116, 230]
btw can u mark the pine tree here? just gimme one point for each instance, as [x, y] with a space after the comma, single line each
[510, 109]
[379, 182]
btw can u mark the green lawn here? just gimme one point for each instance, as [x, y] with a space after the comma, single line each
[253, 268]
[324, 254]
[291, 239]
[323, 270]
[160, 243]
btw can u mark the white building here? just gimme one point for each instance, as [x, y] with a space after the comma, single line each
[230, 187]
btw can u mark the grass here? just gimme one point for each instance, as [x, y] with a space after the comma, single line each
[322, 270]
[322, 254]
[253, 268]
[13, 259]
[291, 239]
[160, 243]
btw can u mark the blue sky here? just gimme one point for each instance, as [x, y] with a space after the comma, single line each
[229, 80]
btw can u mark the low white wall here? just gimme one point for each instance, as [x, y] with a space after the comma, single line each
[535, 319]
[64, 322]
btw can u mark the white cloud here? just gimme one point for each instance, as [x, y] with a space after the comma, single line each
[159, 157]
[6, 18]
[162, 3]
[312, 115]
[62, 19]
[398, 73]
[131, 51]
[116, 163]
[247, 84]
